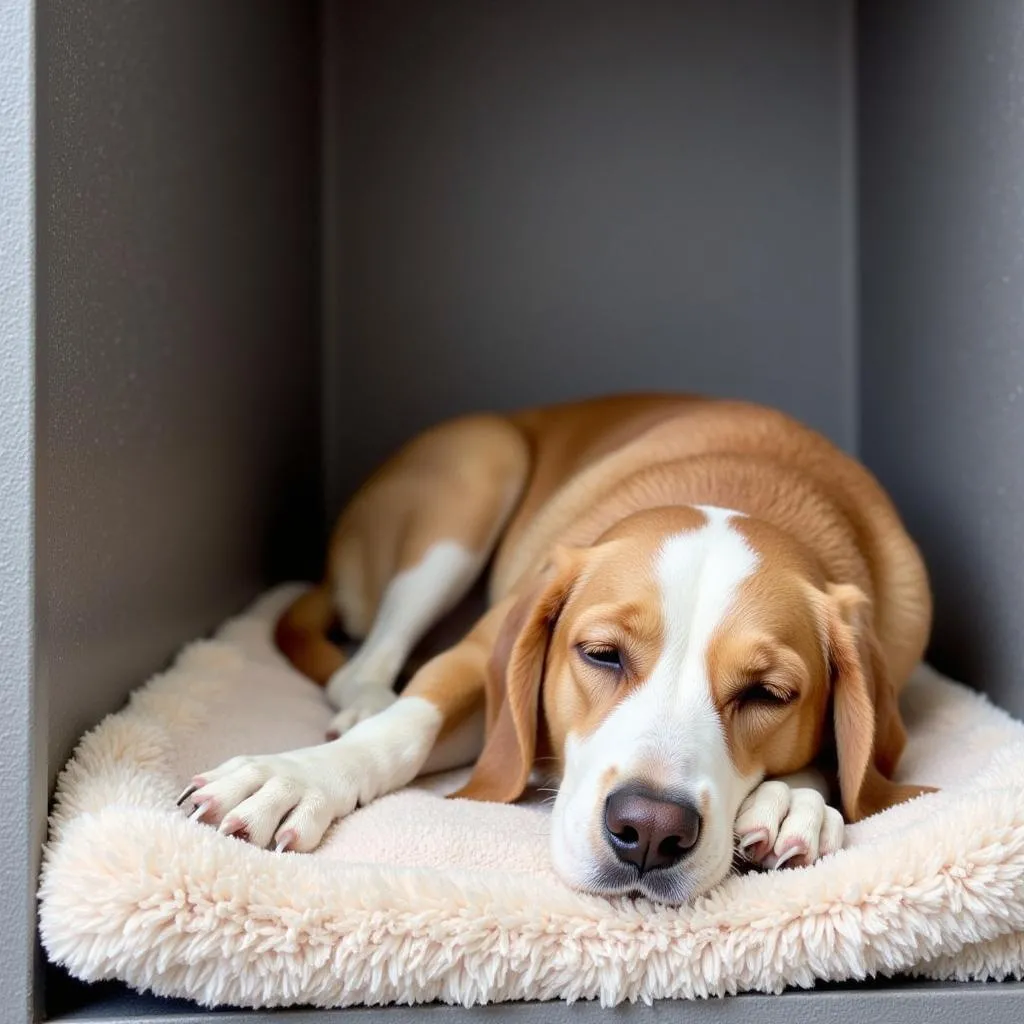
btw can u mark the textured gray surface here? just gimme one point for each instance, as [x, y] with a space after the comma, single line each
[895, 1003]
[178, 356]
[22, 779]
[942, 418]
[528, 201]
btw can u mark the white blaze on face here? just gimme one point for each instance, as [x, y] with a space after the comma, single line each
[667, 732]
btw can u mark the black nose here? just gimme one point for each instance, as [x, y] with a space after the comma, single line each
[649, 829]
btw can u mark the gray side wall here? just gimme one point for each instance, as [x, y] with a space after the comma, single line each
[178, 335]
[178, 344]
[22, 779]
[942, 264]
[528, 201]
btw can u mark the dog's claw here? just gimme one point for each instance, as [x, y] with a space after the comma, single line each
[792, 852]
[287, 838]
[188, 791]
[760, 836]
[198, 812]
[232, 827]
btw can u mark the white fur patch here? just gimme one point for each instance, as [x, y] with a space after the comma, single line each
[668, 728]
[414, 601]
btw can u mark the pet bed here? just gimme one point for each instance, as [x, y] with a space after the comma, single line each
[416, 898]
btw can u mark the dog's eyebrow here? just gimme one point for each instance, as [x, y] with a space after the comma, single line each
[760, 658]
[640, 620]
[753, 658]
[632, 618]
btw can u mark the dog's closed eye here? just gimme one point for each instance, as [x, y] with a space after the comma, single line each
[764, 695]
[601, 656]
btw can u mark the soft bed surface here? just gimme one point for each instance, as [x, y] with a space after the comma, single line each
[416, 898]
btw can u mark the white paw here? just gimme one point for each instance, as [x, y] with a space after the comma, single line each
[778, 825]
[287, 800]
[366, 702]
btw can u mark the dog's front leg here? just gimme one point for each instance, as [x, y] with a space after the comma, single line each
[289, 800]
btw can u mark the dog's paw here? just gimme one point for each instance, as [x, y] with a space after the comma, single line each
[366, 702]
[778, 825]
[284, 800]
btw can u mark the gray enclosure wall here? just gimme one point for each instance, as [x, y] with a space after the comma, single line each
[942, 315]
[177, 357]
[23, 777]
[533, 201]
[276, 237]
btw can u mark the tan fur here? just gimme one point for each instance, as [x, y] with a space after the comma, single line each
[840, 599]
[301, 635]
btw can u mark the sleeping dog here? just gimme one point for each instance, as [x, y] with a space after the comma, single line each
[700, 616]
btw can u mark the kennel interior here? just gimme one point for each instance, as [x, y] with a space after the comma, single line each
[251, 245]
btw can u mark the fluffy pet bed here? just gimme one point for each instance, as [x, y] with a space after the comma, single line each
[415, 898]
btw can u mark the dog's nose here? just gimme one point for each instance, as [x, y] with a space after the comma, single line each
[649, 829]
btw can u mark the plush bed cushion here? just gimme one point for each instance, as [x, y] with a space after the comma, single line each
[417, 898]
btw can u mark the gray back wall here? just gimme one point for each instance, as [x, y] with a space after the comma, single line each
[528, 201]
[942, 262]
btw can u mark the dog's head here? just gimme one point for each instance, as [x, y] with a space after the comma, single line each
[671, 667]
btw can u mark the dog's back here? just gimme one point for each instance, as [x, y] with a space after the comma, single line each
[594, 462]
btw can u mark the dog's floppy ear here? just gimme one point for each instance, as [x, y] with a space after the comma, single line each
[869, 732]
[515, 674]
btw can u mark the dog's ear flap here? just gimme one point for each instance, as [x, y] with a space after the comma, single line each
[513, 687]
[869, 731]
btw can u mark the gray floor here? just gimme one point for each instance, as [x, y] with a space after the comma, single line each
[896, 1002]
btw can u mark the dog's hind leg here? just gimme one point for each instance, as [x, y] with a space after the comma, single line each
[411, 545]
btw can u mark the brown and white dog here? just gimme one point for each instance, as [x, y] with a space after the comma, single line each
[694, 605]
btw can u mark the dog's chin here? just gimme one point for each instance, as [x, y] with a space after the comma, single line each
[672, 887]
[676, 886]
